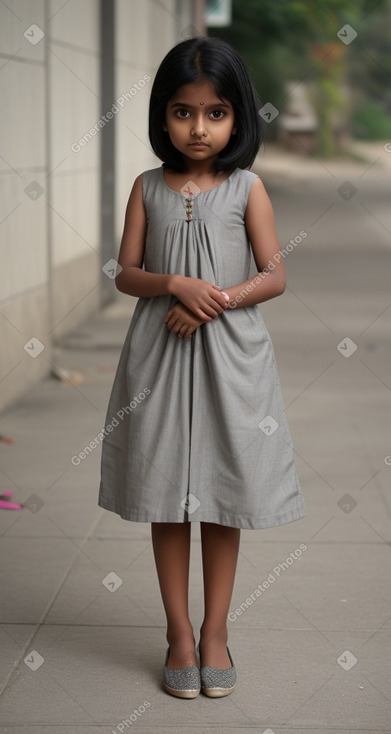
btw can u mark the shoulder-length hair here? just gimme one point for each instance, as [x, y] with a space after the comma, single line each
[210, 59]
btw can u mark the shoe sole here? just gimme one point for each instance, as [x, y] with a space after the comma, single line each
[217, 692]
[182, 693]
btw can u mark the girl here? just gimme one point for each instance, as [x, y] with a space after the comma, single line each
[198, 429]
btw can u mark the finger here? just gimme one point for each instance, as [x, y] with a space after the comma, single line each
[189, 331]
[182, 330]
[209, 313]
[219, 303]
[220, 292]
[168, 315]
[222, 297]
[215, 308]
[174, 325]
[203, 313]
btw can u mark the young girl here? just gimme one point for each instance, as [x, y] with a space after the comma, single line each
[196, 427]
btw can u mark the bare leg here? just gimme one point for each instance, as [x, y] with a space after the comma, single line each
[171, 547]
[220, 547]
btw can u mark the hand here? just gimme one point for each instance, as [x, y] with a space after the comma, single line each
[205, 300]
[181, 321]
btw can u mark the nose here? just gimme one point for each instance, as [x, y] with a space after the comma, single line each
[198, 127]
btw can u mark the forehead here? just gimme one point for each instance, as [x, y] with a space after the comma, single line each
[197, 91]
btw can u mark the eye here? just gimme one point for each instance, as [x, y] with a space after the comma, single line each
[217, 114]
[182, 113]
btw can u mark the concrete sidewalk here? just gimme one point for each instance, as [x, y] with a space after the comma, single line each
[82, 624]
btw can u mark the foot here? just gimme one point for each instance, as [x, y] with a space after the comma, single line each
[213, 652]
[182, 653]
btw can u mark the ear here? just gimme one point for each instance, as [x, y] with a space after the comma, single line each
[234, 130]
[165, 128]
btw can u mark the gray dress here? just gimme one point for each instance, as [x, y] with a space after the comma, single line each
[196, 428]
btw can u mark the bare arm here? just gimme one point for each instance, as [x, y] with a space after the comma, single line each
[270, 280]
[132, 279]
[205, 299]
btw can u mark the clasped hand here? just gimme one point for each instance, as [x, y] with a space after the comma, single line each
[199, 302]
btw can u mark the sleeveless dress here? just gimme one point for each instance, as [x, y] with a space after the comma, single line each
[196, 428]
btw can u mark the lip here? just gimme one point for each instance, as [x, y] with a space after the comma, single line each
[199, 145]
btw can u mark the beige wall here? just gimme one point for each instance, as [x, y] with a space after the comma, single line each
[50, 250]
[145, 32]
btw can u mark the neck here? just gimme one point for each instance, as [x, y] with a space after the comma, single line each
[199, 169]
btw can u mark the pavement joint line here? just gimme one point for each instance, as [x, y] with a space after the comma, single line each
[154, 625]
[11, 526]
[245, 713]
[72, 624]
[52, 678]
[74, 542]
[56, 480]
[38, 625]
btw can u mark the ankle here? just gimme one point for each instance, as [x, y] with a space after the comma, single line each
[213, 636]
[180, 635]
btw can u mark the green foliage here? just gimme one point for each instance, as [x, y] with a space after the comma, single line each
[371, 122]
[370, 60]
[282, 40]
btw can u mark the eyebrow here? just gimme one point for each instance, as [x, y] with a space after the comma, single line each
[184, 104]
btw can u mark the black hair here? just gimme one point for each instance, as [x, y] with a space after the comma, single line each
[211, 59]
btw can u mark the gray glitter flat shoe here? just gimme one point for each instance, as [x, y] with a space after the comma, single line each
[217, 682]
[184, 683]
